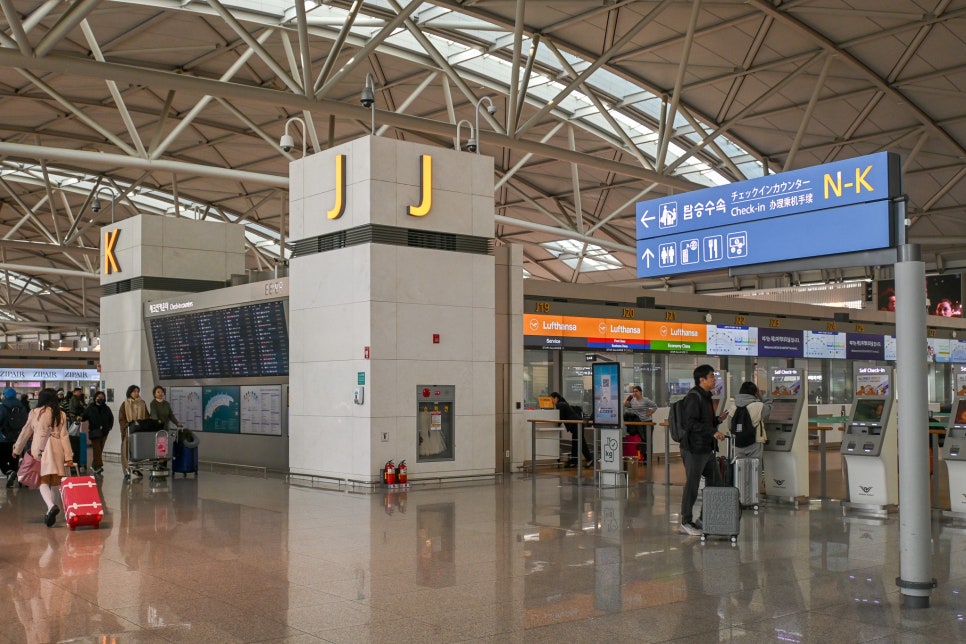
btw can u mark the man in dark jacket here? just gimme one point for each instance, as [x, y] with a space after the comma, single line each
[100, 420]
[9, 434]
[569, 413]
[697, 448]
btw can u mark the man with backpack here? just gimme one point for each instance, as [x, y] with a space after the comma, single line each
[13, 417]
[751, 409]
[699, 424]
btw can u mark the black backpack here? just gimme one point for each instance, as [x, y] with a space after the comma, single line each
[675, 420]
[742, 428]
[13, 421]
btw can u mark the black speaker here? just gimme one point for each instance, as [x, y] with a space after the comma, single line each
[645, 302]
[841, 317]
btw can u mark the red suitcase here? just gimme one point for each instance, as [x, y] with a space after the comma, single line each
[82, 501]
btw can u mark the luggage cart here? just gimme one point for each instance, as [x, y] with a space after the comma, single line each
[151, 452]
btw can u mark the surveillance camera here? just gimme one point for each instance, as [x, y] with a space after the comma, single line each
[471, 145]
[96, 206]
[286, 143]
[491, 109]
[367, 98]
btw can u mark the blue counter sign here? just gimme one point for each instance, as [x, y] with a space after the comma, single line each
[840, 207]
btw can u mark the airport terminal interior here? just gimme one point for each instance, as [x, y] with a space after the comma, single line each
[348, 234]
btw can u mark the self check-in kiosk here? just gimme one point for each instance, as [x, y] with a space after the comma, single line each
[786, 452]
[954, 447]
[870, 445]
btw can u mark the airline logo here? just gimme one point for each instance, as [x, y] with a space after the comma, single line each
[110, 259]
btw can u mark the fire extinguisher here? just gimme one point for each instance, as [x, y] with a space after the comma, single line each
[401, 475]
[389, 474]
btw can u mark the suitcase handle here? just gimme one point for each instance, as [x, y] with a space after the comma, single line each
[73, 469]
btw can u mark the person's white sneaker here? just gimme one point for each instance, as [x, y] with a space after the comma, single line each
[689, 529]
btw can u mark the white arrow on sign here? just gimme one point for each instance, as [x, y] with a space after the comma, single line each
[645, 219]
[647, 257]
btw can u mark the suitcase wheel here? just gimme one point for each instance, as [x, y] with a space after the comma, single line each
[704, 537]
[72, 528]
[734, 538]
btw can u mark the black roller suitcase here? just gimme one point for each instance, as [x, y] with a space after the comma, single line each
[185, 460]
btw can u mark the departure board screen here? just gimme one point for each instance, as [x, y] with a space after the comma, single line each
[239, 342]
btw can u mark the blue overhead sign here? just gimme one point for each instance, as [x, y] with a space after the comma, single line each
[850, 229]
[832, 185]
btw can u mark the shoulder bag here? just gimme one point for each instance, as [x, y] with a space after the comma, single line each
[29, 472]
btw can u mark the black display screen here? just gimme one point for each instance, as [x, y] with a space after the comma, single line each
[238, 342]
[868, 410]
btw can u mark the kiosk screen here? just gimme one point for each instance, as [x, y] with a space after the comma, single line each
[960, 418]
[782, 411]
[868, 411]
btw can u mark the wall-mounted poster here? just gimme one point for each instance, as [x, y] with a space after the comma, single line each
[261, 409]
[186, 405]
[937, 350]
[221, 409]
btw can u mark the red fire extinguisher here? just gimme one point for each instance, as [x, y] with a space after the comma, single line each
[389, 474]
[401, 475]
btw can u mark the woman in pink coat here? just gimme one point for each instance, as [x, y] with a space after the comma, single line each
[47, 420]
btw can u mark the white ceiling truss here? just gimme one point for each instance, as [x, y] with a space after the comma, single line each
[175, 109]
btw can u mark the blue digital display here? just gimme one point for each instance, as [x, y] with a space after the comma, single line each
[607, 394]
[831, 185]
[833, 231]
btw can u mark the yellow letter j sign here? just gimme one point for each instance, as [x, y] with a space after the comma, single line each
[426, 187]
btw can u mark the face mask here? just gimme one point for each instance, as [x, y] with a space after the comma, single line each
[99, 401]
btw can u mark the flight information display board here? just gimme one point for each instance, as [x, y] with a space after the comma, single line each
[247, 341]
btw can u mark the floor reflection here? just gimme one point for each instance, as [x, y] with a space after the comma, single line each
[229, 558]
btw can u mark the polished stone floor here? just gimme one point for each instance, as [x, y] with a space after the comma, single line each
[236, 558]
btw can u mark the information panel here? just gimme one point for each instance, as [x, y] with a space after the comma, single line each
[186, 405]
[849, 229]
[221, 409]
[261, 409]
[831, 185]
[238, 342]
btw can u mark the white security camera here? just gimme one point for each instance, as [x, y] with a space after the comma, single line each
[491, 109]
[471, 145]
[286, 143]
[96, 206]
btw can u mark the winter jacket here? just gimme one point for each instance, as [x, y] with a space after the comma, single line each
[759, 410]
[162, 412]
[700, 421]
[131, 409]
[57, 450]
[100, 420]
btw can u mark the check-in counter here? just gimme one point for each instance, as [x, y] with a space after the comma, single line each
[548, 436]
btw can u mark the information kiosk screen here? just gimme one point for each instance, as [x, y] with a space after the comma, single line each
[959, 419]
[782, 411]
[868, 411]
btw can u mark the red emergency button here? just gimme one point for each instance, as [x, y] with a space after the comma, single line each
[426, 393]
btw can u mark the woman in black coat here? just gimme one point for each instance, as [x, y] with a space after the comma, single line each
[100, 420]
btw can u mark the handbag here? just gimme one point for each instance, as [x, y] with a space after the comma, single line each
[29, 471]
[74, 429]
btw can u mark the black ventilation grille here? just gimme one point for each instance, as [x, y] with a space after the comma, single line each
[392, 236]
[146, 283]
